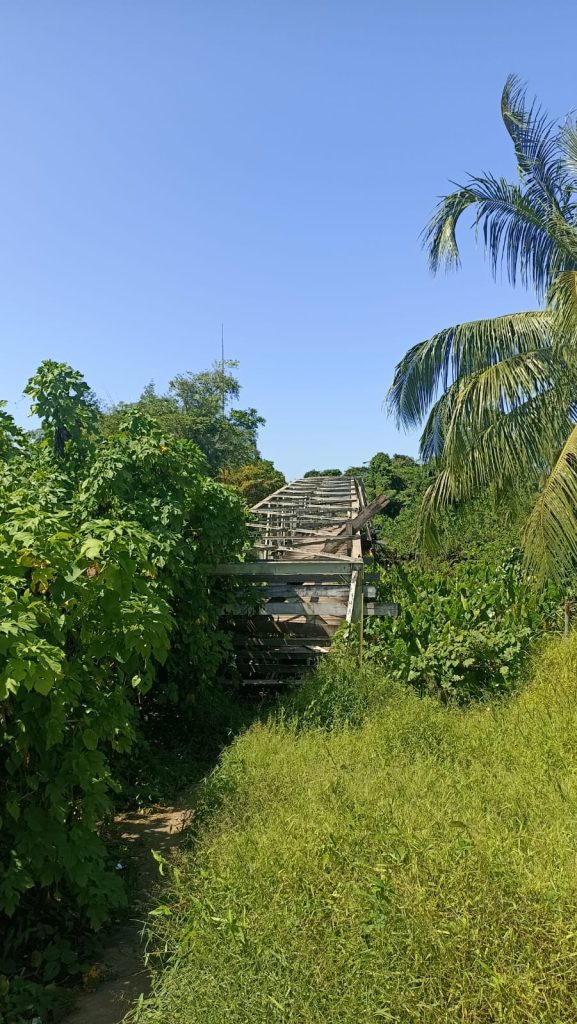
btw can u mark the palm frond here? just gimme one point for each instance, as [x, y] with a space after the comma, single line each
[568, 145]
[521, 444]
[518, 221]
[440, 235]
[457, 352]
[514, 448]
[563, 306]
[551, 534]
[538, 145]
[438, 497]
[564, 236]
[515, 225]
[473, 403]
[507, 386]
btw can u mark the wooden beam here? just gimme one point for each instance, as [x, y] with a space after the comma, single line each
[352, 595]
[301, 570]
[369, 511]
[305, 591]
[310, 555]
[264, 643]
[293, 610]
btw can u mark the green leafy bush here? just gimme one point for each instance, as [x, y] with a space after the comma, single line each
[106, 605]
[463, 631]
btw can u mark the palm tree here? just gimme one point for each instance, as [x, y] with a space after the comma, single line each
[499, 397]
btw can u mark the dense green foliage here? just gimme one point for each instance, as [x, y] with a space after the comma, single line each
[461, 634]
[254, 481]
[107, 611]
[400, 477]
[415, 866]
[497, 397]
[468, 615]
[196, 408]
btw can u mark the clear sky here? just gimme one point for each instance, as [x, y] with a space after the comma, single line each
[168, 165]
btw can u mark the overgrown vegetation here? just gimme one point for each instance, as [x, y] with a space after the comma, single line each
[254, 481]
[108, 616]
[462, 634]
[198, 407]
[468, 615]
[373, 855]
[109, 646]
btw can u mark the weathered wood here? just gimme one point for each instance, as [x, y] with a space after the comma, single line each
[307, 591]
[299, 570]
[357, 524]
[352, 595]
[380, 610]
[376, 506]
[308, 578]
[291, 681]
[305, 556]
[294, 609]
[316, 645]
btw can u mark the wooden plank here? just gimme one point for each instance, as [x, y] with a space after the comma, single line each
[282, 502]
[306, 516]
[295, 557]
[296, 543]
[297, 535]
[279, 491]
[359, 600]
[352, 595]
[371, 510]
[294, 609]
[291, 681]
[356, 524]
[381, 610]
[300, 570]
[309, 591]
[311, 651]
[279, 629]
[277, 661]
[319, 645]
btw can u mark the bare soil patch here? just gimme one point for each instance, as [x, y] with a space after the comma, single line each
[121, 975]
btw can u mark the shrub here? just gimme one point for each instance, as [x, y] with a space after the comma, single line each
[105, 548]
[463, 631]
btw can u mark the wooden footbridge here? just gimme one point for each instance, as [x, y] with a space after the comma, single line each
[306, 575]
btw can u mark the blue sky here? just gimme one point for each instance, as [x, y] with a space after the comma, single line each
[168, 166]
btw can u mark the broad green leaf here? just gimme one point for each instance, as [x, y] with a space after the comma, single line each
[91, 547]
[90, 739]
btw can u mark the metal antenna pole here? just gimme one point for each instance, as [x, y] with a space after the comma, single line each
[222, 367]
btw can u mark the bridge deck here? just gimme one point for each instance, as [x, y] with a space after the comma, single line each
[305, 576]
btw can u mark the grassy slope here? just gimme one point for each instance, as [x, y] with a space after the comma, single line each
[419, 867]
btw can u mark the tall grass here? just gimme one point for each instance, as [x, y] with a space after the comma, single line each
[418, 864]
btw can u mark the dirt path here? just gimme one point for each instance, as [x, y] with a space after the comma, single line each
[123, 972]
